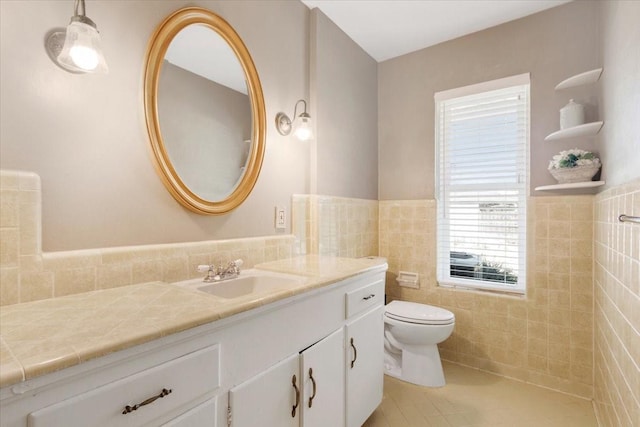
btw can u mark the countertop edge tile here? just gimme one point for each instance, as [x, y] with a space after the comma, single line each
[10, 369]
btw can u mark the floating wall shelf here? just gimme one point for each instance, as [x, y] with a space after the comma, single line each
[587, 129]
[571, 186]
[582, 130]
[588, 77]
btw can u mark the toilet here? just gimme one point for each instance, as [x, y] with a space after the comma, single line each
[412, 332]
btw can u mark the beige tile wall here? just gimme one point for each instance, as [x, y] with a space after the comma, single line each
[335, 226]
[545, 338]
[27, 274]
[617, 307]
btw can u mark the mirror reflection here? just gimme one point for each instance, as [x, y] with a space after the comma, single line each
[204, 112]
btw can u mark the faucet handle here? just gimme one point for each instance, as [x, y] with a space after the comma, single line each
[210, 270]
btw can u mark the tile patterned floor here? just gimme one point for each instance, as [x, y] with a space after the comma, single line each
[473, 398]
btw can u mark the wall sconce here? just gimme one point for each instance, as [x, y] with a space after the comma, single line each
[77, 49]
[301, 126]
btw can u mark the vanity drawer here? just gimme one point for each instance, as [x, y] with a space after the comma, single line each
[364, 298]
[182, 380]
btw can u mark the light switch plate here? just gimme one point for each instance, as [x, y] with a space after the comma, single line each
[281, 217]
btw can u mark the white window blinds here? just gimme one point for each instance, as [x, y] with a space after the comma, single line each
[482, 134]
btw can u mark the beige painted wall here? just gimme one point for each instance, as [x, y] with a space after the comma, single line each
[345, 103]
[85, 134]
[551, 45]
[620, 90]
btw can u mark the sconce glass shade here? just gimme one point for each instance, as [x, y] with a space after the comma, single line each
[303, 127]
[82, 48]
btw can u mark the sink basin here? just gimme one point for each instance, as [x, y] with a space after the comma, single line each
[249, 282]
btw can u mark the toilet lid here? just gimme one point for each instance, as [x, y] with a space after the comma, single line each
[418, 313]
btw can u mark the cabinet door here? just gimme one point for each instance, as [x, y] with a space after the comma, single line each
[322, 370]
[365, 357]
[269, 398]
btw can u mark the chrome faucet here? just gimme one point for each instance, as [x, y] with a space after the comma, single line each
[214, 274]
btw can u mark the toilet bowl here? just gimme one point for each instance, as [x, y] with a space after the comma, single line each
[412, 332]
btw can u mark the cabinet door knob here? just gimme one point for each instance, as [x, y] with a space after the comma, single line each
[128, 408]
[368, 297]
[313, 381]
[355, 353]
[295, 387]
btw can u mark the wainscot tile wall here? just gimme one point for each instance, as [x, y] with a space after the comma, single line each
[545, 338]
[336, 226]
[27, 274]
[617, 307]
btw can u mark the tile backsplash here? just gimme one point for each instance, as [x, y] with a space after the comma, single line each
[336, 226]
[28, 274]
[322, 225]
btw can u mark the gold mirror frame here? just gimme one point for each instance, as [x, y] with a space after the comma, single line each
[156, 51]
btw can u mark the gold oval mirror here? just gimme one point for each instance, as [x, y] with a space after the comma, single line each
[204, 110]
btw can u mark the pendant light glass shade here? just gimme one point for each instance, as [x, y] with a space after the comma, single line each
[82, 48]
[77, 49]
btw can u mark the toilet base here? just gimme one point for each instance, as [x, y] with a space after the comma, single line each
[420, 365]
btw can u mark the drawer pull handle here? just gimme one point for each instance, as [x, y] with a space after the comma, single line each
[163, 393]
[313, 381]
[295, 387]
[369, 297]
[355, 353]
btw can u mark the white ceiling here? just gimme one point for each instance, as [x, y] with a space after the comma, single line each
[389, 28]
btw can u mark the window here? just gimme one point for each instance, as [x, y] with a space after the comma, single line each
[482, 138]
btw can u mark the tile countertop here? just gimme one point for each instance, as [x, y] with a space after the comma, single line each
[44, 336]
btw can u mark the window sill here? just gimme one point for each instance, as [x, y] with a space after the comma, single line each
[515, 293]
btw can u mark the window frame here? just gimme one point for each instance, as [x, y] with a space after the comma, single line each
[443, 267]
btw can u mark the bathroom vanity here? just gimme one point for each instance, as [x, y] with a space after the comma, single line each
[310, 355]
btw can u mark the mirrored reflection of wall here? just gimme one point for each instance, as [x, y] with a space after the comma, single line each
[205, 127]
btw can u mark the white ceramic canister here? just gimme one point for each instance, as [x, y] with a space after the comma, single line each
[571, 115]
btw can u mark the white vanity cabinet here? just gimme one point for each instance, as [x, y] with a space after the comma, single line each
[334, 382]
[322, 375]
[243, 370]
[271, 398]
[364, 308]
[306, 389]
[365, 357]
[136, 396]
[202, 415]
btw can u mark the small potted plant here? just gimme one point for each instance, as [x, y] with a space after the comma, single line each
[574, 166]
